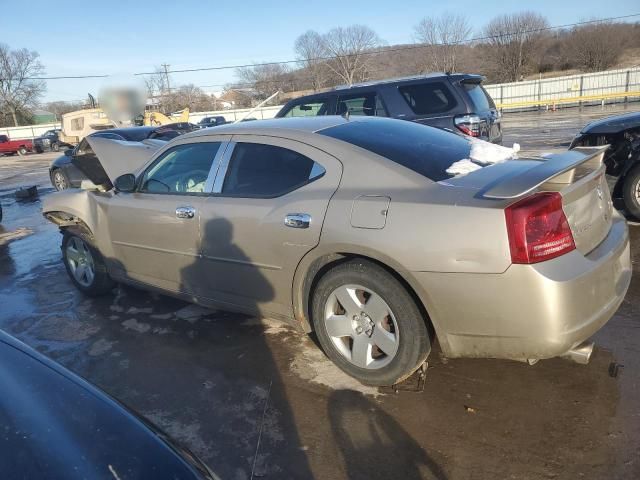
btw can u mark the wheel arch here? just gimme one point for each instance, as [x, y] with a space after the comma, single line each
[316, 263]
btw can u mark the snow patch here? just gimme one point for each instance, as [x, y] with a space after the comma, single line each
[487, 153]
[312, 365]
[481, 154]
[462, 167]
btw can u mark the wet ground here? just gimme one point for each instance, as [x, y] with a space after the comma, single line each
[255, 397]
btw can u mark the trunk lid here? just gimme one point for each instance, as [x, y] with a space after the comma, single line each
[578, 175]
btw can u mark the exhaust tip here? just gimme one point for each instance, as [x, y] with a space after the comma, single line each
[581, 353]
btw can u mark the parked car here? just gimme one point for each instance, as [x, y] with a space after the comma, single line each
[622, 134]
[11, 147]
[455, 102]
[57, 425]
[355, 229]
[207, 122]
[49, 140]
[64, 174]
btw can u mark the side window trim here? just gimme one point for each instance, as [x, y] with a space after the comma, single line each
[222, 167]
[209, 184]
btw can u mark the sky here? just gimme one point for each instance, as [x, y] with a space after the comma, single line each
[121, 38]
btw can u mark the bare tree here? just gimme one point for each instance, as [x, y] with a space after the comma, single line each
[20, 91]
[512, 44]
[157, 85]
[59, 108]
[595, 47]
[444, 37]
[351, 48]
[266, 79]
[311, 52]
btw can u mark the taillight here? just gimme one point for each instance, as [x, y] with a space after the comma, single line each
[468, 124]
[538, 229]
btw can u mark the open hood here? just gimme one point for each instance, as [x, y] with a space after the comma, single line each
[108, 158]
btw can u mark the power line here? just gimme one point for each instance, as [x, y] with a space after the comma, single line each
[400, 48]
[370, 52]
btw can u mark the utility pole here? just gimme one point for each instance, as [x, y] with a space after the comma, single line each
[166, 76]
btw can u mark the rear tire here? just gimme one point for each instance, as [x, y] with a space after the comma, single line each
[55, 147]
[631, 192]
[85, 265]
[22, 151]
[368, 324]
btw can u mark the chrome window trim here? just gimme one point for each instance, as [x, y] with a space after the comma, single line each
[223, 167]
[215, 165]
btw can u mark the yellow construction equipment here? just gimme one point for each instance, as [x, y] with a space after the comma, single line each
[157, 118]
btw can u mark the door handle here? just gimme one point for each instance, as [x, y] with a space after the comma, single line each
[185, 212]
[297, 220]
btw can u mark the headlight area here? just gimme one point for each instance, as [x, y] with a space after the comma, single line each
[62, 219]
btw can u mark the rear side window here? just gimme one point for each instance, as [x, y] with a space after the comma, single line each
[309, 109]
[367, 104]
[426, 150]
[257, 170]
[479, 96]
[428, 98]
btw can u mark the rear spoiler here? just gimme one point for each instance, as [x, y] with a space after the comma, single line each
[557, 169]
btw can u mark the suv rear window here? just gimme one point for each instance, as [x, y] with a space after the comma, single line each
[426, 150]
[480, 98]
[428, 98]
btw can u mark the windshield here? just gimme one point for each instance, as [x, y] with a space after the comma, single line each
[425, 150]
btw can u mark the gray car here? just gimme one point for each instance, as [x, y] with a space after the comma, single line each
[357, 229]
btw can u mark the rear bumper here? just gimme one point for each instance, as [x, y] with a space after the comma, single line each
[530, 311]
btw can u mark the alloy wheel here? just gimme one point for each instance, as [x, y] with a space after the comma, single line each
[361, 326]
[59, 181]
[80, 261]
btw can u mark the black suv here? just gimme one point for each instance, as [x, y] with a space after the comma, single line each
[48, 141]
[455, 102]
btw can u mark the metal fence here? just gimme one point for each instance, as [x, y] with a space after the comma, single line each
[571, 90]
[612, 86]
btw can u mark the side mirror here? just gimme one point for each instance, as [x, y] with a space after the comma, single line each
[126, 183]
[68, 152]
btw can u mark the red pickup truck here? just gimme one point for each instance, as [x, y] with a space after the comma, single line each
[21, 147]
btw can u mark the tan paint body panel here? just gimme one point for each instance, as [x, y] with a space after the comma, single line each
[249, 256]
[447, 242]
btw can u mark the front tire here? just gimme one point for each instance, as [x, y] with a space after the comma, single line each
[631, 192]
[85, 265]
[55, 147]
[59, 180]
[368, 324]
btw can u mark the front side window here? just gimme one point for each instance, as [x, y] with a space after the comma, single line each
[309, 109]
[368, 104]
[257, 170]
[428, 98]
[184, 169]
